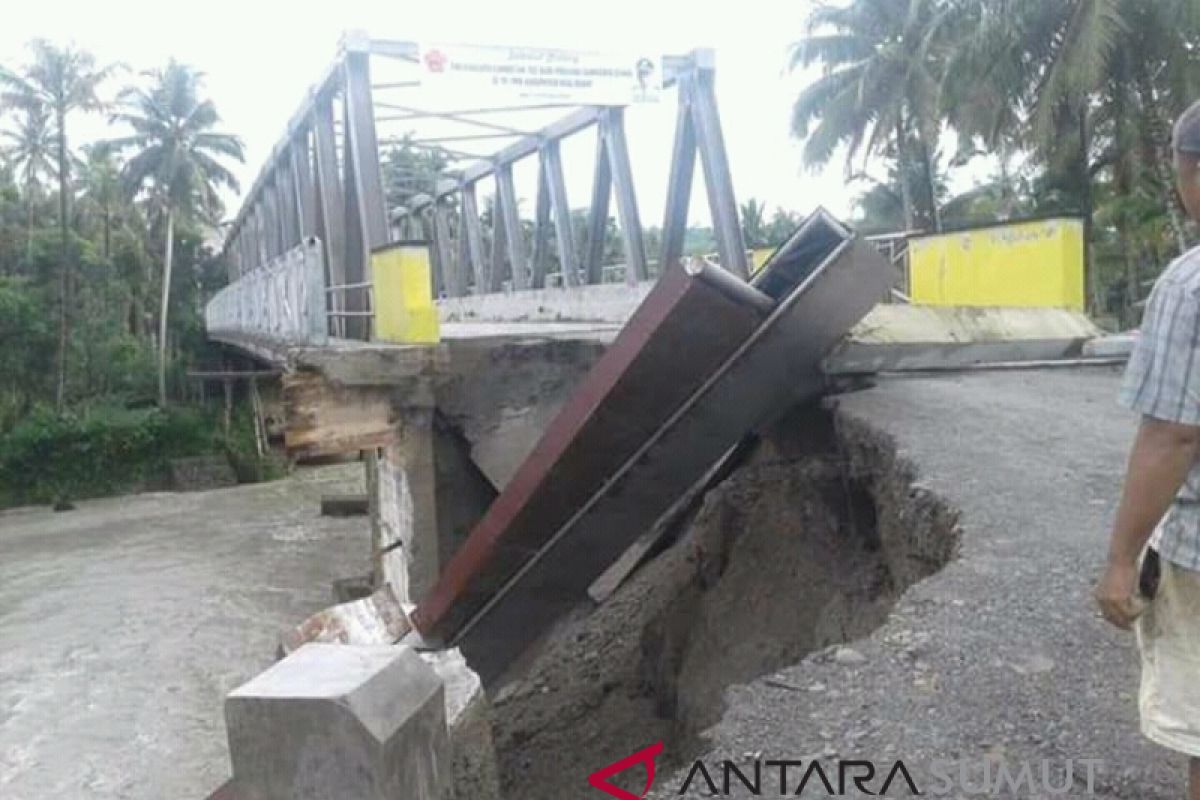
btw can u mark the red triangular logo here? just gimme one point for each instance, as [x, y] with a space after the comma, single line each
[599, 779]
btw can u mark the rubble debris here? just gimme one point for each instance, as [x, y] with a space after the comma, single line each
[377, 619]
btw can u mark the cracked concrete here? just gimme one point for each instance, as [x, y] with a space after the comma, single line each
[124, 623]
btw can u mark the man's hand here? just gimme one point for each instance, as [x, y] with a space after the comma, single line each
[1116, 594]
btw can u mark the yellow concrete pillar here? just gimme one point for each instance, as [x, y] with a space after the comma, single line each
[404, 309]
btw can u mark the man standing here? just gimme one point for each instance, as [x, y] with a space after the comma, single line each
[1160, 504]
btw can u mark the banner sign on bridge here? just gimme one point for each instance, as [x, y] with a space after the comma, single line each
[540, 75]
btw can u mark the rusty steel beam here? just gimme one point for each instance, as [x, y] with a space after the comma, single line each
[658, 359]
[570, 511]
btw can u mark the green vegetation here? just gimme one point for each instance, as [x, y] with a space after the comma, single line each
[48, 456]
[176, 163]
[1070, 100]
[91, 233]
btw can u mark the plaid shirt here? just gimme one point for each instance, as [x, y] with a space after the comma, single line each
[1162, 381]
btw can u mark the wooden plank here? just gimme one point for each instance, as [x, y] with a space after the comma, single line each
[325, 419]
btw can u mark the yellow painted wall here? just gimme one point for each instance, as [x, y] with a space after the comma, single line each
[403, 293]
[758, 258]
[1025, 265]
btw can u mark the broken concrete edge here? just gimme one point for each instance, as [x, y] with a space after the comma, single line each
[901, 338]
[344, 360]
[475, 773]
[388, 690]
[1117, 345]
[375, 620]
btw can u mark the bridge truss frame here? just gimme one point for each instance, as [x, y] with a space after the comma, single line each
[324, 180]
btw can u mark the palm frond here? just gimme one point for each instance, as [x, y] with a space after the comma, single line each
[1083, 43]
[830, 49]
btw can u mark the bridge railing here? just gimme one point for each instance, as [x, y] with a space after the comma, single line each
[324, 183]
[284, 300]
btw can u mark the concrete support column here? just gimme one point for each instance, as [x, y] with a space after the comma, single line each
[404, 506]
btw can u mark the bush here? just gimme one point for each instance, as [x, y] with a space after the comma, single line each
[47, 457]
[243, 455]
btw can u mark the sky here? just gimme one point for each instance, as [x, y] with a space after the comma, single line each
[261, 56]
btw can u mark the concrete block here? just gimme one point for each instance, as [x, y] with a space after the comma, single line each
[909, 337]
[474, 774]
[340, 721]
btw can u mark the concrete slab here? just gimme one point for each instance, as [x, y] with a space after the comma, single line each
[1117, 345]
[124, 623]
[609, 302]
[502, 394]
[908, 337]
[340, 721]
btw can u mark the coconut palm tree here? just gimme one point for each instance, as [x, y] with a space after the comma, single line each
[29, 151]
[102, 191]
[878, 90]
[1089, 85]
[58, 82]
[175, 162]
[754, 223]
